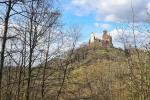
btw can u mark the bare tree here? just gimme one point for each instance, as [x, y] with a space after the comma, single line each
[74, 34]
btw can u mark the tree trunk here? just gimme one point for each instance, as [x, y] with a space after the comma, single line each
[4, 39]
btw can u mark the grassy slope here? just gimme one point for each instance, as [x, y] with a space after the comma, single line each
[93, 74]
[104, 75]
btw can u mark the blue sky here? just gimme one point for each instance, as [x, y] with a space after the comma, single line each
[98, 15]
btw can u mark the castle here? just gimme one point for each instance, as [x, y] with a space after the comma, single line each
[105, 42]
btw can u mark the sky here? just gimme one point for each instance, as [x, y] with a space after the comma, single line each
[98, 15]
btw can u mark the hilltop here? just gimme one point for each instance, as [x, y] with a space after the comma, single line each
[89, 73]
[99, 74]
[84, 74]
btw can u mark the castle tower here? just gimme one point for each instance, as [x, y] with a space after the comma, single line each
[105, 42]
[107, 39]
[92, 38]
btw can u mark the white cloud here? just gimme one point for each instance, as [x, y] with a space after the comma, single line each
[103, 26]
[148, 7]
[111, 18]
[119, 36]
[78, 2]
[113, 10]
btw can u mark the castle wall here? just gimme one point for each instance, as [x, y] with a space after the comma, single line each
[105, 42]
